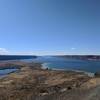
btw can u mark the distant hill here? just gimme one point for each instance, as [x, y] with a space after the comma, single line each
[16, 57]
[87, 57]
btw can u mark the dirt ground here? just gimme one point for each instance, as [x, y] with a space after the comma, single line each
[33, 83]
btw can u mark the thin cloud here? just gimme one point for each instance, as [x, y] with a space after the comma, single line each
[24, 53]
[73, 48]
[3, 51]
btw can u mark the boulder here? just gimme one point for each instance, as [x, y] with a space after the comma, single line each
[97, 74]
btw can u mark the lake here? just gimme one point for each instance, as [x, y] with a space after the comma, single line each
[60, 63]
[6, 71]
[69, 63]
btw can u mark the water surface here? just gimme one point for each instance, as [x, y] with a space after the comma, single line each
[6, 71]
[69, 63]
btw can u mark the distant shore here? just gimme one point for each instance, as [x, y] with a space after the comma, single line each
[84, 57]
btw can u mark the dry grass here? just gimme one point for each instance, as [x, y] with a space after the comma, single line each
[38, 84]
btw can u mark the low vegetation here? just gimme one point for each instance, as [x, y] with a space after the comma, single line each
[33, 83]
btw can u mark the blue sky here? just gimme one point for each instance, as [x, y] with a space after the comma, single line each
[50, 27]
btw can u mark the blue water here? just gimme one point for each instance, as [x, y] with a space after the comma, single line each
[60, 63]
[7, 71]
[69, 63]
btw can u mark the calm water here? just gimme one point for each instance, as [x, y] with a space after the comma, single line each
[69, 64]
[6, 71]
[60, 63]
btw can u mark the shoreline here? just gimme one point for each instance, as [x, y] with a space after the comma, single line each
[35, 83]
[90, 74]
[18, 64]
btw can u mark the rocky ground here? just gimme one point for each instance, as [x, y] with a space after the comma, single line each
[33, 83]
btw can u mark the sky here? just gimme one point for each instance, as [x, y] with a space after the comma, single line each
[47, 27]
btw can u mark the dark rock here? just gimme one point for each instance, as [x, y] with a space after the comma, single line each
[97, 74]
[69, 88]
